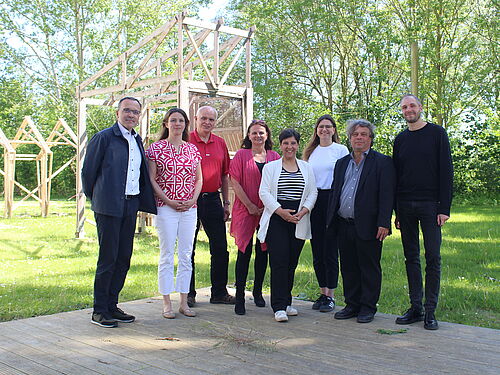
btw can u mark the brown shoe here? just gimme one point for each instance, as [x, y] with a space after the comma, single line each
[187, 312]
[226, 300]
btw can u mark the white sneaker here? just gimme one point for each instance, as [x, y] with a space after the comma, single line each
[291, 311]
[280, 316]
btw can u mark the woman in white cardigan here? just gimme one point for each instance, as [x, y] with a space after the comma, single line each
[288, 191]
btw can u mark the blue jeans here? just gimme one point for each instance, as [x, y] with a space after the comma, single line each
[411, 214]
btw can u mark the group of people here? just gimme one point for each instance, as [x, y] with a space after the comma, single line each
[342, 202]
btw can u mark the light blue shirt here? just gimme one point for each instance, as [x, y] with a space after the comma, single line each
[350, 186]
[134, 161]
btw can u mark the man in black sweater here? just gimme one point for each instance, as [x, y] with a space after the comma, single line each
[424, 175]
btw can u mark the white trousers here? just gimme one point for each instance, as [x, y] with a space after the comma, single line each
[175, 226]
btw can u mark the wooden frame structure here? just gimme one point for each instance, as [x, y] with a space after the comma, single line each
[29, 134]
[184, 63]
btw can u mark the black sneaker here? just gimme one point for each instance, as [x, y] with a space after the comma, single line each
[120, 316]
[327, 305]
[103, 320]
[318, 302]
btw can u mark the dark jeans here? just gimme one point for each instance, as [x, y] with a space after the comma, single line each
[411, 214]
[284, 252]
[360, 267]
[324, 245]
[242, 264]
[116, 240]
[211, 216]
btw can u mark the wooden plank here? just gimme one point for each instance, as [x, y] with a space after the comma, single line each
[232, 64]
[212, 26]
[200, 55]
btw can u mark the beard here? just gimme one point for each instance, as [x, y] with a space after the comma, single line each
[411, 119]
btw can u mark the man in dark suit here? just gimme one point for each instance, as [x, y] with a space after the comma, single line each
[116, 180]
[359, 212]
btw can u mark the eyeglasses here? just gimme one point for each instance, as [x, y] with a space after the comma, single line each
[133, 111]
[325, 126]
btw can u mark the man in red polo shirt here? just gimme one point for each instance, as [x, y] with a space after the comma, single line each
[211, 212]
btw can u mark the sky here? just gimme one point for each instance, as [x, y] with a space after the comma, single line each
[209, 13]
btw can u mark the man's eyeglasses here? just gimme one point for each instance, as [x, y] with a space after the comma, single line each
[133, 111]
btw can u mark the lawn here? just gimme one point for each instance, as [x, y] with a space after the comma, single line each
[45, 270]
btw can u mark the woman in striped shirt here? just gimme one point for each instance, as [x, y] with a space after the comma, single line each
[288, 191]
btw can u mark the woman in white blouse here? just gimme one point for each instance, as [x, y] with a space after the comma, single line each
[322, 152]
[288, 192]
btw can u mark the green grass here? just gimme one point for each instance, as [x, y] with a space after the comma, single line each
[45, 270]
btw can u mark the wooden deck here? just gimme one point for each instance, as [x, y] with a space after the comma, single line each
[219, 342]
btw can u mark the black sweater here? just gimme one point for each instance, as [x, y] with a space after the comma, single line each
[424, 170]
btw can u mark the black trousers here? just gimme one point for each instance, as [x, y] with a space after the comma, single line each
[284, 252]
[324, 245]
[411, 214]
[116, 240]
[211, 216]
[360, 267]
[242, 265]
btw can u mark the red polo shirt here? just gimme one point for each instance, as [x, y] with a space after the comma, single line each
[214, 160]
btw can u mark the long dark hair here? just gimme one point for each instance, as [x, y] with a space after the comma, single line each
[314, 141]
[164, 129]
[247, 143]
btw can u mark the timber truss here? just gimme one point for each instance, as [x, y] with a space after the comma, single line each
[185, 63]
[28, 134]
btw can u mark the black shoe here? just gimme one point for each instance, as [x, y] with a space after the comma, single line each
[346, 313]
[103, 320]
[259, 300]
[191, 301]
[430, 321]
[226, 300]
[120, 316]
[365, 317]
[327, 305]
[316, 305]
[239, 307]
[412, 315]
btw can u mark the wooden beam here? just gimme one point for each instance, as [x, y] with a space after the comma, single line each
[231, 66]
[200, 55]
[212, 26]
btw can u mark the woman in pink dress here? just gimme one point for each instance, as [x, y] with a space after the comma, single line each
[175, 173]
[245, 172]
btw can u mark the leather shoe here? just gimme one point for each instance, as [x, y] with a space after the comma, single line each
[226, 300]
[365, 318]
[259, 300]
[346, 313]
[412, 315]
[191, 301]
[430, 321]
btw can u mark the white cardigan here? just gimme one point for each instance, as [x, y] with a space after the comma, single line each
[268, 193]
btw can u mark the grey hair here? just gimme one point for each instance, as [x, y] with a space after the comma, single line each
[410, 96]
[352, 124]
[206, 107]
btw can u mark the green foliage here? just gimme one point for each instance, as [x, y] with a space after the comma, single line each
[476, 151]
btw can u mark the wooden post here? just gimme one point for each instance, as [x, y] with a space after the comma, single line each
[414, 68]
[80, 156]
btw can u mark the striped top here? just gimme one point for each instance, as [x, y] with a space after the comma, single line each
[290, 185]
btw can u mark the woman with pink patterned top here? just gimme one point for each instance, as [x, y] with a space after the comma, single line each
[175, 173]
[245, 172]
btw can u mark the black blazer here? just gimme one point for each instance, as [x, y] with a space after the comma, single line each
[104, 174]
[374, 197]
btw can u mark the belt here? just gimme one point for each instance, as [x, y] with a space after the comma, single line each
[128, 197]
[348, 221]
[209, 194]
